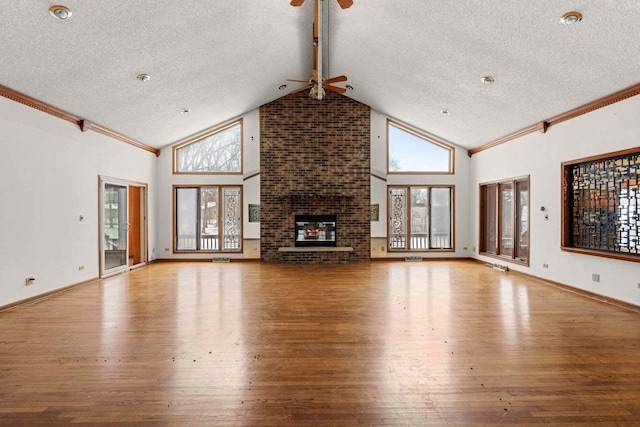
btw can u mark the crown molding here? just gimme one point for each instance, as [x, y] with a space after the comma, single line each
[83, 124]
[543, 125]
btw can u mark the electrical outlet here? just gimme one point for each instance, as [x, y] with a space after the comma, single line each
[29, 281]
[465, 248]
[595, 277]
[80, 267]
[166, 249]
[545, 265]
[638, 285]
[474, 249]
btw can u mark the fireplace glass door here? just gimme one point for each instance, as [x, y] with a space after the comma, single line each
[316, 230]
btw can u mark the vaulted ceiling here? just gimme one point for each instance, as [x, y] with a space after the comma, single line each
[409, 59]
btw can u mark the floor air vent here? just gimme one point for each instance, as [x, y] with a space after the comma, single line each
[413, 258]
[499, 267]
[221, 259]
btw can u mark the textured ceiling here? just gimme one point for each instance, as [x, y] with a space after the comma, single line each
[409, 59]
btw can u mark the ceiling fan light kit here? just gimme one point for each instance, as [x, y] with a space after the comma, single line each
[60, 12]
[344, 4]
[571, 18]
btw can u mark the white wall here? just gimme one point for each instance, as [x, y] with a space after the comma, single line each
[460, 179]
[49, 177]
[612, 128]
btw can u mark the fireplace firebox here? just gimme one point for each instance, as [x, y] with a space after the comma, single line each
[316, 230]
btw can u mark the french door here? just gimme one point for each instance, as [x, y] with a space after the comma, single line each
[123, 241]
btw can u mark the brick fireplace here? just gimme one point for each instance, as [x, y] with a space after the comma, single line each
[315, 160]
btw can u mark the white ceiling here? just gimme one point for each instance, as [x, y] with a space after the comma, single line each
[408, 59]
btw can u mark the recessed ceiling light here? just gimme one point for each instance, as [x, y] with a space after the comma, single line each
[60, 12]
[349, 87]
[282, 87]
[444, 112]
[488, 80]
[143, 77]
[186, 110]
[571, 18]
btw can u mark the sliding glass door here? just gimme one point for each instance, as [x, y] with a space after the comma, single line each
[114, 227]
[123, 225]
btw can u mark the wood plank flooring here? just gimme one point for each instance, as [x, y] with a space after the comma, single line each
[443, 343]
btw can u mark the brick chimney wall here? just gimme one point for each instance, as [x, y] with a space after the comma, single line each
[314, 160]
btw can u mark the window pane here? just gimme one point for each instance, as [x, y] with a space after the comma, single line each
[186, 218]
[209, 218]
[506, 217]
[441, 218]
[490, 219]
[419, 218]
[232, 219]
[220, 152]
[398, 218]
[522, 196]
[409, 152]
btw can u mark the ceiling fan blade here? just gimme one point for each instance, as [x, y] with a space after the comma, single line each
[345, 4]
[314, 75]
[336, 79]
[301, 89]
[297, 81]
[335, 88]
[296, 2]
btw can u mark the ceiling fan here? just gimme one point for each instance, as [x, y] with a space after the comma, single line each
[316, 82]
[345, 4]
[313, 84]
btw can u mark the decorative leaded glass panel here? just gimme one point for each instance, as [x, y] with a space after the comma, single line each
[398, 218]
[232, 219]
[605, 203]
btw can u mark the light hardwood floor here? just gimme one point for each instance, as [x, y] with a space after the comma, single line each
[441, 343]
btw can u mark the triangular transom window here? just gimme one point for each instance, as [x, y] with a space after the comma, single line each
[217, 151]
[412, 152]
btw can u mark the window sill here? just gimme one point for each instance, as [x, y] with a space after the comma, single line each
[612, 255]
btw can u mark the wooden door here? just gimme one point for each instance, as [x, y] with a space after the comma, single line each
[135, 231]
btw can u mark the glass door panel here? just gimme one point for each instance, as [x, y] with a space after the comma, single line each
[507, 215]
[186, 219]
[440, 218]
[115, 227]
[419, 218]
[522, 220]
